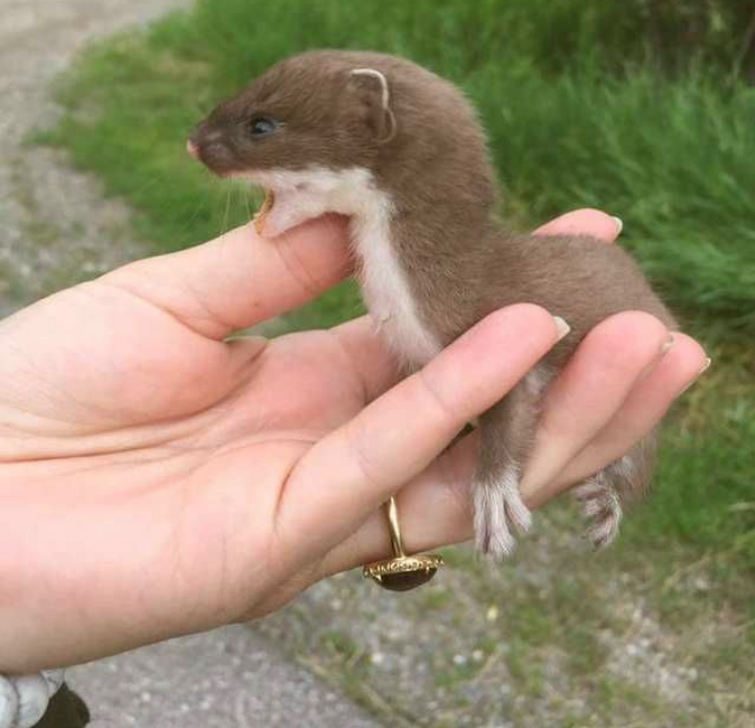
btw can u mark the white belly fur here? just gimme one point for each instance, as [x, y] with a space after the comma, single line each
[385, 286]
[307, 193]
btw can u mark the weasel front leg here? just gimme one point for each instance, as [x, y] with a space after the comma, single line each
[506, 435]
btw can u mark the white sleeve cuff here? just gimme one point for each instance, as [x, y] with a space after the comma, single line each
[24, 698]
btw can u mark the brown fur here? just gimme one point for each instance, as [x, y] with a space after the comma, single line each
[428, 152]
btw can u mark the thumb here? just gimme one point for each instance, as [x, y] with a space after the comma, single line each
[240, 279]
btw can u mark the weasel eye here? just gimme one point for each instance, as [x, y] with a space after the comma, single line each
[262, 126]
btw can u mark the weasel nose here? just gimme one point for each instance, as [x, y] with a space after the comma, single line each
[192, 149]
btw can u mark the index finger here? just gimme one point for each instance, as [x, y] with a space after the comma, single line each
[241, 279]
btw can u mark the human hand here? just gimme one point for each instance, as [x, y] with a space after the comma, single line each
[156, 479]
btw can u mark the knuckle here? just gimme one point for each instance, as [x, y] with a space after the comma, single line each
[359, 444]
[635, 338]
[433, 394]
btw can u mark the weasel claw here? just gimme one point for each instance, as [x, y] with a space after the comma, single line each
[602, 509]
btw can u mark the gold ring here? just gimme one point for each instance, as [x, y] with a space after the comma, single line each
[402, 572]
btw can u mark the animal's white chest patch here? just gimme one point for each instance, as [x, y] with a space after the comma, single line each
[385, 285]
[304, 194]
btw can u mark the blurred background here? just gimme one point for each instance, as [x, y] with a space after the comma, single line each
[643, 108]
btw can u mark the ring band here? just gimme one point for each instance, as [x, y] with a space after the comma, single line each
[402, 572]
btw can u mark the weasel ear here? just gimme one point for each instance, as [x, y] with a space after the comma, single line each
[371, 87]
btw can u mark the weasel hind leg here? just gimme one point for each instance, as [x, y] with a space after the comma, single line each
[601, 507]
[602, 496]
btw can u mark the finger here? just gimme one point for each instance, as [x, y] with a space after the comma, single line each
[240, 279]
[588, 393]
[643, 409]
[398, 435]
[435, 510]
[584, 222]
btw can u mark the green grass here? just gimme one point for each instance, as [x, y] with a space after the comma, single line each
[580, 113]
[672, 156]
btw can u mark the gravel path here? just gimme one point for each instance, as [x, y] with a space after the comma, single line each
[53, 222]
[230, 677]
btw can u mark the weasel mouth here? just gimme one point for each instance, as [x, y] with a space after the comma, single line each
[264, 211]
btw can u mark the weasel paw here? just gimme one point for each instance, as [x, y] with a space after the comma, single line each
[498, 506]
[602, 509]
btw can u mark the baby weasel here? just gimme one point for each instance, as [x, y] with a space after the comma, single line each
[401, 152]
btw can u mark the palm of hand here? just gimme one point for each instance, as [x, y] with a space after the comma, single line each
[160, 413]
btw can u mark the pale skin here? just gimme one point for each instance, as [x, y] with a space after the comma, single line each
[157, 479]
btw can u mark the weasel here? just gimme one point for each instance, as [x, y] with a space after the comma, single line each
[401, 152]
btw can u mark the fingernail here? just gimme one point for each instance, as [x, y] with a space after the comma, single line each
[703, 369]
[561, 326]
[619, 224]
[665, 346]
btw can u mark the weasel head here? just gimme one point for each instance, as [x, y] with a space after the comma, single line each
[304, 127]
[318, 129]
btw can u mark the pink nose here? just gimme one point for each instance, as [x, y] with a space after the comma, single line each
[192, 149]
